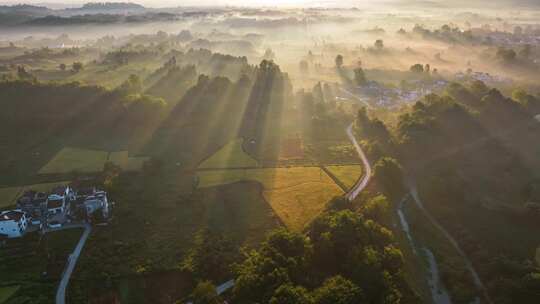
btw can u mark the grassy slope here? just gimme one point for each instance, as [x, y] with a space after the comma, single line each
[451, 264]
[73, 159]
[232, 155]
[7, 291]
[164, 211]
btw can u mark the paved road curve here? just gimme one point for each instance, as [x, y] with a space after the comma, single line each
[351, 195]
[72, 260]
[363, 182]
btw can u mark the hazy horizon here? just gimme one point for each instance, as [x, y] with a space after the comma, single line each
[284, 3]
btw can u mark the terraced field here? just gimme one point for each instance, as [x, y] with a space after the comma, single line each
[297, 195]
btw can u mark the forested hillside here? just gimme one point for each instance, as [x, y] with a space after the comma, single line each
[472, 153]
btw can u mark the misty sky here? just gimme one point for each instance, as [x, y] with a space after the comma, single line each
[294, 3]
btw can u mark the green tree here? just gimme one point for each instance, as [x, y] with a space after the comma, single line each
[269, 54]
[288, 294]
[282, 258]
[359, 77]
[205, 293]
[338, 290]
[339, 61]
[525, 52]
[338, 203]
[478, 88]
[77, 66]
[417, 68]
[210, 257]
[304, 66]
[379, 44]
[506, 55]
[388, 174]
[377, 208]
[133, 85]
[23, 74]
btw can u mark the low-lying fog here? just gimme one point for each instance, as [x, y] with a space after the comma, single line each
[448, 39]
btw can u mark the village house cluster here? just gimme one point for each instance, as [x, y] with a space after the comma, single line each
[62, 206]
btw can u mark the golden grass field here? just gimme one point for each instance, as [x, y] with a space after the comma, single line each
[85, 160]
[9, 195]
[230, 156]
[347, 174]
[297, 195]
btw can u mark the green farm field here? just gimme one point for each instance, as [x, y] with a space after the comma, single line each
[297, 195]
[112, 77]
[85, 160]
[74, 159]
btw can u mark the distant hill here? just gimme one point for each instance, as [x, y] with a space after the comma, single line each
[107, 8]
[18, 14]
[111, 6]
[101, 18]
[24, 9]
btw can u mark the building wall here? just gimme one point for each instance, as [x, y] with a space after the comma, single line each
[13, 229]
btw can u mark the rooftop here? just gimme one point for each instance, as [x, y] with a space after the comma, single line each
[60, 190]
[12, 215]
[55, 203]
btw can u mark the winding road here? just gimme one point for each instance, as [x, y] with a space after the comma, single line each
[72, 261]
[351, 195]
[363, 182]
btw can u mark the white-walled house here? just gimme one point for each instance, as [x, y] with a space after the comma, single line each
[13, 223]
[56, 204]
[58, 200]
[97, 202]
